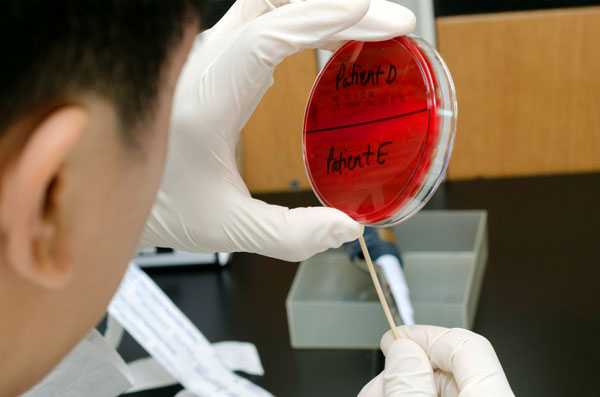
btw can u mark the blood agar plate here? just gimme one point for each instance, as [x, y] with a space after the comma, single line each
[379, 128]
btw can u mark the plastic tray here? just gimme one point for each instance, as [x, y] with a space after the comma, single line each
[332, 303]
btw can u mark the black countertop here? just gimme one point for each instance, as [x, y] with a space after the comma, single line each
[539, 303]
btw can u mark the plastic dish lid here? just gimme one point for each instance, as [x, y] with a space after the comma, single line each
[379, 128]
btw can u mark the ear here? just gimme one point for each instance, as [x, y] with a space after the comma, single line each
[35, 246]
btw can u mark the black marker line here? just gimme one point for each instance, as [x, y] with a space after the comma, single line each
[397, 116]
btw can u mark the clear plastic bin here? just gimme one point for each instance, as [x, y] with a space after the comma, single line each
[332, 303]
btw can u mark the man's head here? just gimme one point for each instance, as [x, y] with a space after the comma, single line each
[86, 96]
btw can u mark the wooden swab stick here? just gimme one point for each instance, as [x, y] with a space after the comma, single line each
[384, 304]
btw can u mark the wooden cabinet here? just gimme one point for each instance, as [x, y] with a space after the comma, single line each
[528, 87]
[271, 149]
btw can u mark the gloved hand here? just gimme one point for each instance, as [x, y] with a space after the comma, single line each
[203, 203]
[433, 361]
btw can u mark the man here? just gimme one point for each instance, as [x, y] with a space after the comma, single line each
[86, 99]
[86, 107]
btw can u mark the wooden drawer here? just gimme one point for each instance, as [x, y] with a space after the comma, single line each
[528, 88]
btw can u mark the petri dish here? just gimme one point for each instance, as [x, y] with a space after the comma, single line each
[379, 128]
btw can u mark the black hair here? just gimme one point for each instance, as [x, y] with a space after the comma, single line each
[112, 48]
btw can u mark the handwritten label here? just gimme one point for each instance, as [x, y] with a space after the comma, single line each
[340, 161]
[357, 75]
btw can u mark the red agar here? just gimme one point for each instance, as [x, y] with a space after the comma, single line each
[371, 128]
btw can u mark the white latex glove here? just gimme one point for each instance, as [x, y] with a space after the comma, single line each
[203, 204]
[433, 361]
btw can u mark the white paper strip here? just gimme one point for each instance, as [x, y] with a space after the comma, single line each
[171, 338]
[240, 356]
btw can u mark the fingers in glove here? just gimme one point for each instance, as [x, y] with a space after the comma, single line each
[289, 234]
[445, 384]
[239, 14]
[408, 371]
[374, 388]
[300, 25]
[231, 79]
[384, 20]
[469, 357]
[240, 74]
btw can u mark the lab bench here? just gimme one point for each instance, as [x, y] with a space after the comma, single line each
[539, 304]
